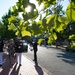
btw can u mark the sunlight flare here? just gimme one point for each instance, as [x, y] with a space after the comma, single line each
[28, 9]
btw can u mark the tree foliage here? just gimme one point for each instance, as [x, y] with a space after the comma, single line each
[70, 11]
[55, 20]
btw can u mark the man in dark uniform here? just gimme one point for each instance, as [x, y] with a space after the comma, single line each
[35, 49]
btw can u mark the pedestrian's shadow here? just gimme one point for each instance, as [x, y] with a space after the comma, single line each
[38, 69]
[6, 66]
[15, 70]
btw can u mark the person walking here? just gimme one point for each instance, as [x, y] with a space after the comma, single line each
[35, 49]
[11, 51]
[1, 51]
[18, 50]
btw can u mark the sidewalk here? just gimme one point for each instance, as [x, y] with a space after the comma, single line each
[27, 68]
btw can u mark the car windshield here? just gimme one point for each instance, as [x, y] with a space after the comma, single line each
[24, 42]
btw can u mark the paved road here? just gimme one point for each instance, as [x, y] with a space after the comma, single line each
[56, 61]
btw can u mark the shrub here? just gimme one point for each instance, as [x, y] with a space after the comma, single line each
[71, 47]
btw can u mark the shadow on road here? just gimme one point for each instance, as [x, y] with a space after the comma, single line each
[39, 69]
[68, 57]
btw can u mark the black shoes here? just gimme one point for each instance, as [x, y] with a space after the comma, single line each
[20, 65]
[34, 60]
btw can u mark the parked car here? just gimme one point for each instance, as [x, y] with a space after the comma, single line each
[25, 45]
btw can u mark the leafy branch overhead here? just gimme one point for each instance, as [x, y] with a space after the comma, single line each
[16, 9]
[54, 22]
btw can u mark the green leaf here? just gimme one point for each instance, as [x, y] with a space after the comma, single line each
[21, 22]
[72, 37]
[14, 8]
[11, 19]
[54, 36]
[17, 33]
[71, 11]
[60, 28]
[35, 29]
[25, 33]
[40, 41]
[18, 4]
[44, 25]
[11, 27]
[57, 24]
[35, 13]
[25, 3]
[50, 20]
[47, 3]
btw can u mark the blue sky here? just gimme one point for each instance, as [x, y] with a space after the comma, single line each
[65, 3]
[7, 4]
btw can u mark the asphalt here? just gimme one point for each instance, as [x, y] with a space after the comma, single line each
[28, 67]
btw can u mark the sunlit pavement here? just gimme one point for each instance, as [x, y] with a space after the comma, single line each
[27, 68]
